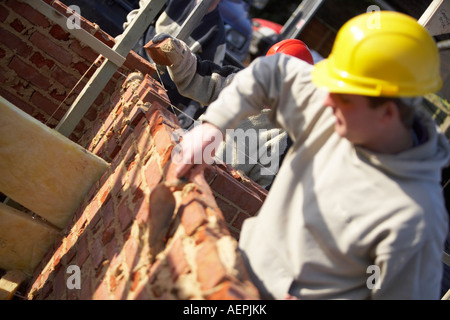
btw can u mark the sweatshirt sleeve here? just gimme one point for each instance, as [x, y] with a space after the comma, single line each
[200, 80]
[280, 82]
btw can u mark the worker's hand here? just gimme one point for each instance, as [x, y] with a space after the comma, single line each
[160, 37]
[176, 51]
[197, 147]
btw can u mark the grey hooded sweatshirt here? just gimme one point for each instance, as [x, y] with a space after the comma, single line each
[340, 222]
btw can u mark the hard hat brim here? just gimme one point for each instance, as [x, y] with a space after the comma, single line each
[323, 78]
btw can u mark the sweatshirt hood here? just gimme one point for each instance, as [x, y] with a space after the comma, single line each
[424, 161]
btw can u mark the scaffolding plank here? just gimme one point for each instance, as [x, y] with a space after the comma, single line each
[436, 18]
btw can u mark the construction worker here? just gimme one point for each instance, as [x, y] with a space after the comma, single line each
[356, 210]
[207, 39]
[203, 80]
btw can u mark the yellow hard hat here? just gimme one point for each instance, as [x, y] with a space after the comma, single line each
[386, 55]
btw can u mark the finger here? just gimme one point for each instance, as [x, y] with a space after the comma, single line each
[160, 37]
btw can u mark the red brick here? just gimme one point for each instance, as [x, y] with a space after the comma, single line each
[134, 176]
[111, 86]
[26, 11]
[58, 33]
[18, 102]
[82, 67]
[142, 207]
[176, 259]
[112, 249]
[128, 151]
[51, 48]
[86, 289]
[229, 211]
[135, 115]
[131, 249]
[28, 73]
[59, 283]
[117, 180]
[152, 173]
[46, 105]
[108, 213]
[46, 290]
[125, 214]
[60, 97]
[64, 78]
[112, 148]
[17, 25]
[102, 292]
[193, 214]
[143, 138]
[105, 38]
[99, 149]
[83, 252]
[210, 271]
[230, 291]
[237, 223]
[164, 144]
[97, 252]
[83, 51]
[136, 62]
[142, 294]
[107, 235]
[136, 276]
[4, 13]
[15, 43]
[236, 193]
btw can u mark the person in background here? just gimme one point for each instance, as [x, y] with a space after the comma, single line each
[202, 81]
[356, 210]
[207, 39]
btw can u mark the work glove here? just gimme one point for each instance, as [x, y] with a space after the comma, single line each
[176, 51]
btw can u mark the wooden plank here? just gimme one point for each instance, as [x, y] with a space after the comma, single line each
[41, 169]
[23, 240]
[193, 20]
[10, 282]
[103, 74]
[436, 18]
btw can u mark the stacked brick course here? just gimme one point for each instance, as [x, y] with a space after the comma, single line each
[43, 68]
[109, 238]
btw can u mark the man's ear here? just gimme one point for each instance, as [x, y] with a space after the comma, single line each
[389, 111]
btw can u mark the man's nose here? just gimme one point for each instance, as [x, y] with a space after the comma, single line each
[329, 102]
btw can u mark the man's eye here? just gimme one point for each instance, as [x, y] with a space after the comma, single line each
[344, 98]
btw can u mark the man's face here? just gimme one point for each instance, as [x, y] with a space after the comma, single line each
[355, 119]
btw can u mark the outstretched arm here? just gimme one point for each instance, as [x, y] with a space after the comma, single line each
[200, 80]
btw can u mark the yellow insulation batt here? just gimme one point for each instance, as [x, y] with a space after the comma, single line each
[23, 240]
[41, 169]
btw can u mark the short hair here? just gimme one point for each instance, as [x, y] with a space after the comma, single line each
[407, 107]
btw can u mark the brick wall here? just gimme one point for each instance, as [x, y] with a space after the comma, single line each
[41, 64]
[130, 126]
[110, 236]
